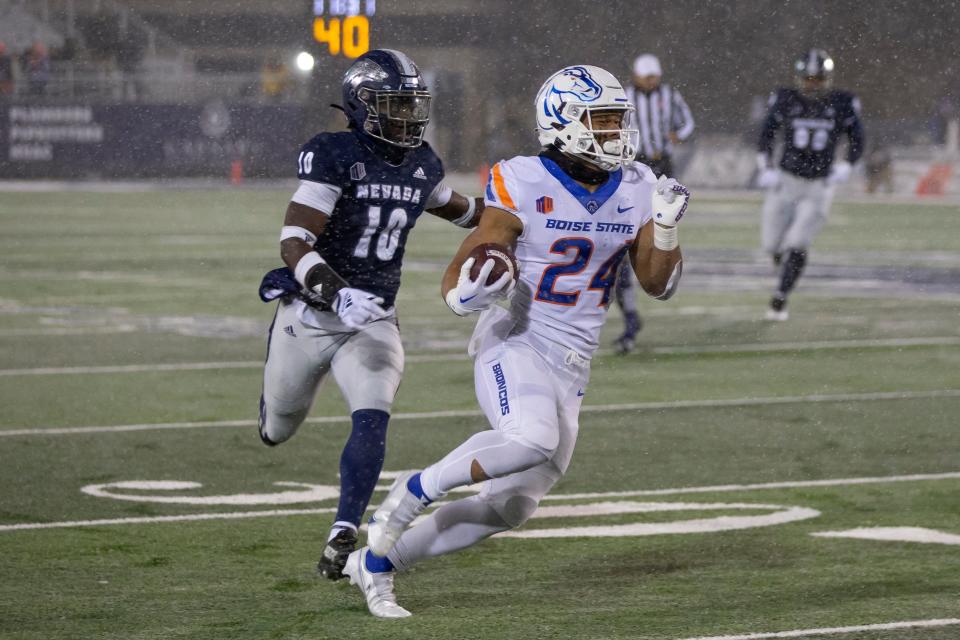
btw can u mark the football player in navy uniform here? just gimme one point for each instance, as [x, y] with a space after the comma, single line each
[813, 117]
[361, 192]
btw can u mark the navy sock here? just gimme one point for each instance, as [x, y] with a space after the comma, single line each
[361, 462]
[376, 564]
[793, 265]
[632, 323]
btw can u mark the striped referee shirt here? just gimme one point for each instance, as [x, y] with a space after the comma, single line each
[657, 114]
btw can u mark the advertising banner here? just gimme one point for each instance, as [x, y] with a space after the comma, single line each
[148, 141]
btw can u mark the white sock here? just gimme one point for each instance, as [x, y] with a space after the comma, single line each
[340, 524]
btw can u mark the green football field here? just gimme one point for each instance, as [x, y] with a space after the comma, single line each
[732, 476]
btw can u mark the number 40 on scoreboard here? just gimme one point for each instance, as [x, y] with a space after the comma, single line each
[342, 26]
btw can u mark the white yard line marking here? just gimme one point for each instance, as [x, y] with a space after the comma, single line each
[894, 534]
[795, 484]
[236, 515]
[571, 496]
[467, 413]
[190, 366]
[780, 515]
[132, 368]
[454, 357]
[827, 631]
[68, 331]
[811, 346]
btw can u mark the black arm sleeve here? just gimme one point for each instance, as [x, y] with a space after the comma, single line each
[857, 140]
[770, 125]
[323, 283]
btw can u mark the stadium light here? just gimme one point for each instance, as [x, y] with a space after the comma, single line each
[305, 62]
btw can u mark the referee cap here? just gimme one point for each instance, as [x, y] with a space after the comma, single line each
[647, 65]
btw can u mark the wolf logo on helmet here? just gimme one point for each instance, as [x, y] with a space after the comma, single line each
[565, 104]
[385, 97]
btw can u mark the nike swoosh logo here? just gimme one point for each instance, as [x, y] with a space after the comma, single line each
[465, 300]
[619, 210]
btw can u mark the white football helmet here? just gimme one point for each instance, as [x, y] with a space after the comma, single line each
[564, 106]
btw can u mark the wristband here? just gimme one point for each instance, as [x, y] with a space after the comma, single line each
[297, 232]
[465, 219]
[665, 238]
[309, 260]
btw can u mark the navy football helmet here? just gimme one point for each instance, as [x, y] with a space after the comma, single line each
[385, 97]
[814, 71]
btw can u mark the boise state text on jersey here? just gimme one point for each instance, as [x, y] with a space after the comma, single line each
[379, 204]
[812, 127]
[569, 251]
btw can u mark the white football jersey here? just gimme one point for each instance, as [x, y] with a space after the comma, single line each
[571, 244]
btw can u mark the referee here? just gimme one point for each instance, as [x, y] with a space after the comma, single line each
[662, 115]
[664, 120]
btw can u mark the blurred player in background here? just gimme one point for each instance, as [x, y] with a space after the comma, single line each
[663, 120]
[813, 116]
[361, 192]
[571, 214]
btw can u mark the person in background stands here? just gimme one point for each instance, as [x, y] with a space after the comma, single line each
[6, 72]
[36, 67]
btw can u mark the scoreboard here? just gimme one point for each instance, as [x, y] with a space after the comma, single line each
[343, 25]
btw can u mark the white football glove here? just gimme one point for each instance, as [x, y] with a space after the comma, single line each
[470, 296]
[358, 308]
[768, 178]
[839, 172]
[669, 204]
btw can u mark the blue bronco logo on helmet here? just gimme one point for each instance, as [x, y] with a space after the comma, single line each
[575, 82]
[564, 105]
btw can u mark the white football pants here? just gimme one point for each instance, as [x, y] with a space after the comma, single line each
[366, 364]
[531, 397]
[794, 212]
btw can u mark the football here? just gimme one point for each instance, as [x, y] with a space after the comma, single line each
[504, 261]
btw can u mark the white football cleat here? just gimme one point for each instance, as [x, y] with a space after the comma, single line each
[777, 312]
[393, 517]
[777, 316]
[377, 588]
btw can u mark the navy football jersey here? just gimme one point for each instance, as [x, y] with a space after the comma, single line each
[812, 127]
[379, 203]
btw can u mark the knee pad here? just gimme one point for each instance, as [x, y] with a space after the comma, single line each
[515, 509]
[277, 426]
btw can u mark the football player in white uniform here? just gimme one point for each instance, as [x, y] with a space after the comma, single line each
[570, 214]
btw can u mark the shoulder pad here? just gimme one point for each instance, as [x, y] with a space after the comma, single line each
[638, 172]
[324, 157]
[427, 154]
